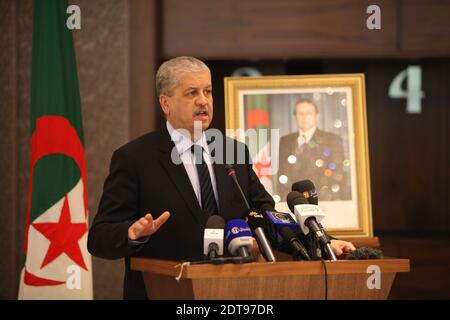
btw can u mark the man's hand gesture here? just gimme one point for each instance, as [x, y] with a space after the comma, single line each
[146, 226]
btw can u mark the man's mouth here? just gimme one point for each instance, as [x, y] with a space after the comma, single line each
[201, 113]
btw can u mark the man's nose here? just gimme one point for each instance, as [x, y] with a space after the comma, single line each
[202, 99]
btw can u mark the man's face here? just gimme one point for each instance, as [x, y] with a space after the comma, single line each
[306, 115]
[190, 101]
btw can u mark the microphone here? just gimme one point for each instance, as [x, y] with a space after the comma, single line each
[365, 253]
[307, 188]
[307, 215]
[282, 229]
[238, 239]
[232, 173]
[213, 237]
[299, 250]
[255, 221]
[257, 224]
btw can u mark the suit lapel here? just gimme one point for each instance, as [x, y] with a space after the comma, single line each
[178, 175]
[316, 136]
[313, 142]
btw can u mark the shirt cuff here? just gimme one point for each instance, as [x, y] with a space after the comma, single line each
[138, 242]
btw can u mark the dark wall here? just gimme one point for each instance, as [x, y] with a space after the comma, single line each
[409, 152]
[268, 29]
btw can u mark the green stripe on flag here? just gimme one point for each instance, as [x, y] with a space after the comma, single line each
[54, 80]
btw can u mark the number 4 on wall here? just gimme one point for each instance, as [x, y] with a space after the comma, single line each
[413, 92]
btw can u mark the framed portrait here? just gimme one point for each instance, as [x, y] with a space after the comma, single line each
[309, 127]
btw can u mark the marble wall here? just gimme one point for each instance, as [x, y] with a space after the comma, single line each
[9, 238]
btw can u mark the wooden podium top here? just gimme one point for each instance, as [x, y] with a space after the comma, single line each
[266, 269]
[346, 279]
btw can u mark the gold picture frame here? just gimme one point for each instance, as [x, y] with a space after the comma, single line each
[283, 104]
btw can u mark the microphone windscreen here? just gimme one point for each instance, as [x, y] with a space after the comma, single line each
[275, 222]
[254, 219]
[287, 234]
[307, 188]
[365, 253]
[237, 235]
[236, 228]
[294, 198]
[215, 222]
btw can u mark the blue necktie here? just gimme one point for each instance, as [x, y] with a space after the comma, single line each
[207, 194]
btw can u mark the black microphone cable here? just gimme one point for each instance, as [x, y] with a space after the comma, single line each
[325, 277]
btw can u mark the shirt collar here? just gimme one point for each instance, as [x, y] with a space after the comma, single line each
[308, 133]
[182, 142]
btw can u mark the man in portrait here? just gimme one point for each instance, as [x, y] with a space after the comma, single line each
[314, 154]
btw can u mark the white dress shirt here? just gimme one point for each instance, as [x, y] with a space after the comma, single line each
[183, 145]
[305, 136]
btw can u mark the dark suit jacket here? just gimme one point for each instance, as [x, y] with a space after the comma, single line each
[144, 179]
[323, 146]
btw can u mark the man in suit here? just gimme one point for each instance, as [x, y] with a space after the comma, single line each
[312, 154]
[160, 174]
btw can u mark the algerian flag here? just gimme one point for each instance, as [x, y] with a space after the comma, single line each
[257, 119]
[57, 264]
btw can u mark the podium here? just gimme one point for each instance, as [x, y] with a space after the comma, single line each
[281, 280]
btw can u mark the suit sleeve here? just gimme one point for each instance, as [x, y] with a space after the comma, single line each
[117, 211]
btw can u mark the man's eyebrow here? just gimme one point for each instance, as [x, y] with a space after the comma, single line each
[197, 88]
[190, 89]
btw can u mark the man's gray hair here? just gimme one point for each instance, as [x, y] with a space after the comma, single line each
[170, 72]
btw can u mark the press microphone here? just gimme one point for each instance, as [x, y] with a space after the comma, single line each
[298, 250]
[232, 173]
[238, 239]
[282, 229]
[307, 188]
[257, 224]
[213, 237]
[255, 220]
[365, 253]
[309, 216]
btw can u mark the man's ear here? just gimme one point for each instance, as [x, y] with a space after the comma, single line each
[164, 102]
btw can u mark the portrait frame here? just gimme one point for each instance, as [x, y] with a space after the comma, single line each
[348, 216]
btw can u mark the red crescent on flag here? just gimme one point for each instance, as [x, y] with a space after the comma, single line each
[54, 134]
[32, 280]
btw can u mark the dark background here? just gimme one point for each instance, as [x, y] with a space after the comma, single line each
[121, 43]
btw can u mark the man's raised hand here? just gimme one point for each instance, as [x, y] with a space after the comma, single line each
[147, 226]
